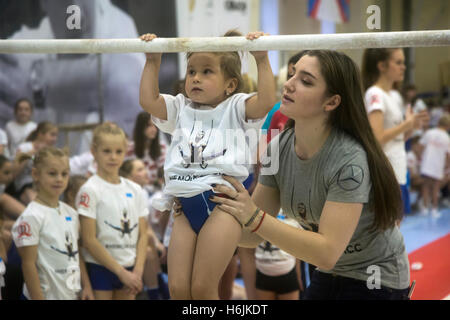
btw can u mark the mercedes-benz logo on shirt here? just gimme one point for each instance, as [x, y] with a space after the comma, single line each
[350, 177]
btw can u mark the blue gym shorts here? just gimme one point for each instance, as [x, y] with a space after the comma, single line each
[103, 279]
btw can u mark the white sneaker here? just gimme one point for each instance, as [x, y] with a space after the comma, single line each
[435, 213]
[423, 212]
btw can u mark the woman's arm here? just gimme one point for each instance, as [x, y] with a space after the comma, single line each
[11, 206]
[30, 273]
[260, 104]
[100, 254]
[337, 224]
[149, 97]
[412, 121]
[323, 249]
[268, 200]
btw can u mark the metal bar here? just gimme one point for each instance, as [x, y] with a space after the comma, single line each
[211, 44]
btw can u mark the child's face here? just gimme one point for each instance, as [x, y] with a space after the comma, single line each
[50, 137]
[6, 174]
[139, 173]
[109, 153]
[23, 112]
[52, 176]
[151, 131]
[205, 82]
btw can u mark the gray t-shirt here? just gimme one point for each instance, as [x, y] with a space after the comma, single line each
[339, 172]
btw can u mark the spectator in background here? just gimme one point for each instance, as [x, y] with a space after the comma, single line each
[435, 161]
[4, 150]
[413, 157]
[18, 129]
[382, 70]
[45, 135]
[147, 146]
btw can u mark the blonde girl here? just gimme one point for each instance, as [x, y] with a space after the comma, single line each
[47, 233]
[204, 238]
[112, 216]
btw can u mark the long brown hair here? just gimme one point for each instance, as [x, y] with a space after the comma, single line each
[140, 139]
[342, 77]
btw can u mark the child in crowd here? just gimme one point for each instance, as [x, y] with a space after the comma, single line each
[112, 216]
[148, 147]
[44, 135]
[74, 185]
[435, 161]
[10, 211]
[18, 129]
[154, 283]
[47, 234]
[204, 238]
[276, 274]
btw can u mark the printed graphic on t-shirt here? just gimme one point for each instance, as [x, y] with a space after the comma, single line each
[266, 246]
[196, 148]
[125, 228]
[69, 247]
[24, 230]
[350, 177]
[84, 200]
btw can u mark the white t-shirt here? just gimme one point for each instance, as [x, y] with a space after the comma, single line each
[116, 209]
[56, 233]
[437, 146]
[25, 176]
[17, 133]
[83, 164]
[391, 104]
[206, 143]
[271, 260]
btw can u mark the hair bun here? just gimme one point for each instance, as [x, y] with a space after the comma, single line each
[233, 33]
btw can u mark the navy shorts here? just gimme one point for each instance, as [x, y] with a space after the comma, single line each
[325, 286]
[103, 279]
[197, 209]
[285, 283]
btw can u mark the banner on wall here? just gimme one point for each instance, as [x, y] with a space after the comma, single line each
[211, 18]
[66, 88]
[337, 11]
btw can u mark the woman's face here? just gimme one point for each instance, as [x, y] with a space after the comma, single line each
[304, 93]
[394, 68]
[151, 131]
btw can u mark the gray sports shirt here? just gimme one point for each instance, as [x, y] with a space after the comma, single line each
[339, 172]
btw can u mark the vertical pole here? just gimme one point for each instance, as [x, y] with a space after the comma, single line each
[409, 55]
[100, 87]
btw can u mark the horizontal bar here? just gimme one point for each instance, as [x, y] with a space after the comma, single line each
[210, 44]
